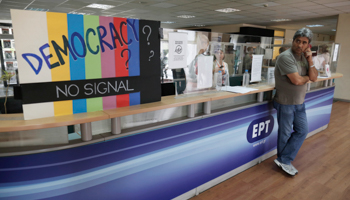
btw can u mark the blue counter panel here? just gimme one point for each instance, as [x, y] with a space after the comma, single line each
[159, 164]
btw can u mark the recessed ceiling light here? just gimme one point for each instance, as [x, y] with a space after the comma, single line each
[100, 6]
[79, 13]
[227, 10]
[186, 16]
[36, 9]
[334, 29]
[168, 22]
[280, 20]
[314, 25]
[199, 25]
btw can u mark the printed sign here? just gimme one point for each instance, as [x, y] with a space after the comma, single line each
[81, 63]
[256, 68]
[177, 50]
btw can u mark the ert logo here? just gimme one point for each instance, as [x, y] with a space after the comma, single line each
[260, 128]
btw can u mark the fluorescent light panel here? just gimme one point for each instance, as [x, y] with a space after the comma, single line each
[37, 9]
[227, 10]
[315, 25]
[280, 20]
[168, 22]
[100, 6]
[186, 16]
[199, 25]
[79, 13]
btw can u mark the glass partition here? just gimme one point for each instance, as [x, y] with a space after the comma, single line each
[229, 54]
[232, 54]
[325, 53]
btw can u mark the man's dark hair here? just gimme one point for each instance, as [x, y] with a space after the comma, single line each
[282, 49]
[323, 48]
[303, 32]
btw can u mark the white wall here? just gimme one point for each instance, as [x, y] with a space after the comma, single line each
[342, 36]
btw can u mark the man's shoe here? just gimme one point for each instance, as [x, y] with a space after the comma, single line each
[294, 169]
[289, 169]
[278, 163]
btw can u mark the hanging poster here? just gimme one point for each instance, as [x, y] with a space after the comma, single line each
[177, 50]
[82, 63]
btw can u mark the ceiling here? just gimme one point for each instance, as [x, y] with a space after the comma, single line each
[257, 12]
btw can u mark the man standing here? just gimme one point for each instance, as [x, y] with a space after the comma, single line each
[294, 69]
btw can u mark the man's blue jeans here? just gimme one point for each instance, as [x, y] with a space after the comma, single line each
[292, 130]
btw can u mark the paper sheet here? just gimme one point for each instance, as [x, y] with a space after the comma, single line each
[268, 54]
[238, 89]
[335, 54]
[256, 68]
[177, 50]
[205, 72]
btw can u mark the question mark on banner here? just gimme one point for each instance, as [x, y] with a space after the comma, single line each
[152, 52]
[129, 52]
[150, 31]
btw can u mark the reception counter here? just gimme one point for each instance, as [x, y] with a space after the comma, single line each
[170, 159]
[167, 102]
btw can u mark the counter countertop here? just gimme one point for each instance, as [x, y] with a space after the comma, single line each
[15, 122]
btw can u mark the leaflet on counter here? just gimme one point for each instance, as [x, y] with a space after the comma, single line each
[237, 89]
